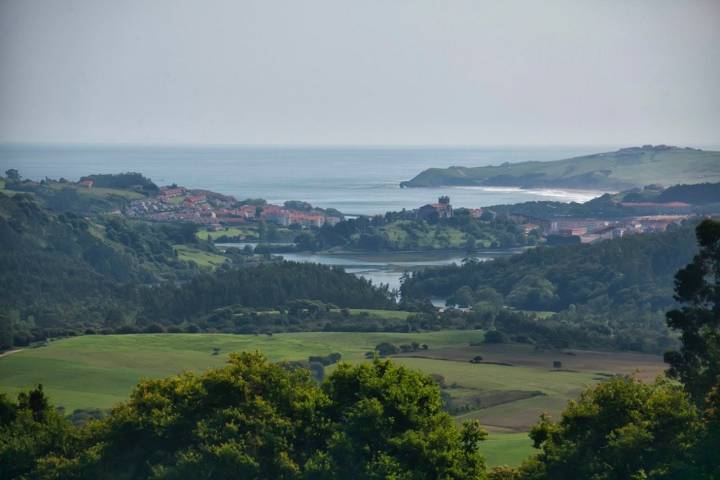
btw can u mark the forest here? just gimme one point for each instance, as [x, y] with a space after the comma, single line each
[617, 289]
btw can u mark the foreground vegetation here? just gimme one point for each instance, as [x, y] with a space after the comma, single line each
[379, 420]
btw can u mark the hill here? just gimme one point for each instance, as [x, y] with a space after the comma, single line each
[93, 194]
[618, 289]
[63, 274]
[622, 169]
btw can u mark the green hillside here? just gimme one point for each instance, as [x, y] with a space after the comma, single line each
[625, 168]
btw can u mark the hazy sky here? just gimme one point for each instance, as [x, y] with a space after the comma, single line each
[360, 72]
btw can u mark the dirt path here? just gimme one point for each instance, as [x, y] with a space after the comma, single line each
[10, 352]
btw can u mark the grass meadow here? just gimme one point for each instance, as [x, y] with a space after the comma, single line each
[99, 371]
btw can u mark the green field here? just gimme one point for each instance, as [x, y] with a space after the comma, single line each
[100, 371]
[105, 192]
[201, 258]
[98, 192]
[227, 231]
[506, 448]
[408, 235]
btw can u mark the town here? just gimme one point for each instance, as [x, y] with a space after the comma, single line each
[214, 210]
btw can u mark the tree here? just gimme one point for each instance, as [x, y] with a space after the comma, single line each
[30, 430]
[697, 287]
[255, 419]
[392, 425]
[385, 348]
[621, 429]
[13, 175]
[6, 330]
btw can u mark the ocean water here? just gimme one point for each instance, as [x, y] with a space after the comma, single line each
[355, 180]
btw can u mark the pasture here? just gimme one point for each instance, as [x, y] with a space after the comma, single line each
[99, 371]
[201, 258]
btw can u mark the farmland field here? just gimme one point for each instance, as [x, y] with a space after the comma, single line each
[201, 258]
[100, 371]
[227, 231]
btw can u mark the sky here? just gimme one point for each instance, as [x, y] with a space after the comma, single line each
[364, 72]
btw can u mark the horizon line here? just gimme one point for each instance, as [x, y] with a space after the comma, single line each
[341, 145]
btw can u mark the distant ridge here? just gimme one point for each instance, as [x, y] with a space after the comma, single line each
[622, 169]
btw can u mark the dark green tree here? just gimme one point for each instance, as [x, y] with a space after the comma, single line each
[390, 423]
[697, 287]
[30, 430]
[6, 330]
[254, 419]
[619, 430]
[13, 175]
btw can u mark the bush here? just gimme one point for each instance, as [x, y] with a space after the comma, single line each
[154, 328]
[384, 349]
[495, 336]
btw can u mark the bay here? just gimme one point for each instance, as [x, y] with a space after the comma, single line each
[355, 180]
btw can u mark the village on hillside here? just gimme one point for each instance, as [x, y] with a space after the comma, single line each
[214, 210]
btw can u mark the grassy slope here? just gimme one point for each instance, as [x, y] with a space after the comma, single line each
[613, 170]
[202, 258]
[436, 237]
[100, 371]
[506, 449]
[227, 231]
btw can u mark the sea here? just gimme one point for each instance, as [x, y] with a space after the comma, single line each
[355, 180]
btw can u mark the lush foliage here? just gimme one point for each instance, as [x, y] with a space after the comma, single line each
[621, 429]
[29, 430]
[255, 419]
[619, 288]
[404, 231]
[624, 429]
[697, 286]
[127, 181]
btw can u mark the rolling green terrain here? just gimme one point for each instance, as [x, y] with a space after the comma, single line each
[100, 371]
[612, 294]
[201, 258]
[625, 168]
[204, 234]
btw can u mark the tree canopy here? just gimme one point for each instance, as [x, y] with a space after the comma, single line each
[256, 419]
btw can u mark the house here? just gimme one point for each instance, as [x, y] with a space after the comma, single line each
[569, 232]
[529, 227]
[436, 211]
[589, 224]
[476, 212]
[275, 214]
[307, 219]
[170, 192]
[86, 183]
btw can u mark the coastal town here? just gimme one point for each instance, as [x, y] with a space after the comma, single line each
[214, 210]
[568, 230]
